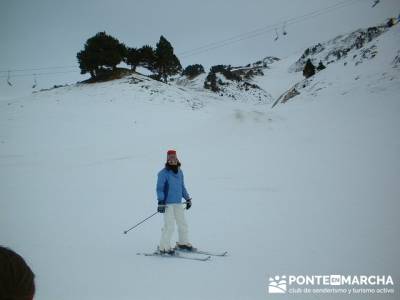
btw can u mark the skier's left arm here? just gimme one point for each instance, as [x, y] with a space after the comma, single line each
[185, 193]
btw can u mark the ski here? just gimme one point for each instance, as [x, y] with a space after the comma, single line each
[176, 255]
[197, 251]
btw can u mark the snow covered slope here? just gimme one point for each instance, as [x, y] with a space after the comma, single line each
[308, 187]
[365, 58]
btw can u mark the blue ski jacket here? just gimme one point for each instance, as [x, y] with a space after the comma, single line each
[171, 187]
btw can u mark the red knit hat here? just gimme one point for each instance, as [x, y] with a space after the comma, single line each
[171, 152]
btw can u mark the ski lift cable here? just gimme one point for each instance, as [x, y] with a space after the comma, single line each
[210, 46]
[266, 29]
[235, 41]
[262, 29]
[37, 74]
[38, 69]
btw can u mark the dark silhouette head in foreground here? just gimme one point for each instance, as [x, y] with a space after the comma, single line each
[16, 278]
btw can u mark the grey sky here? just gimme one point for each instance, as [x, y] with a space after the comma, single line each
[46, 33]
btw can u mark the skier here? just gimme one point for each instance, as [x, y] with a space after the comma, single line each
[170, 191]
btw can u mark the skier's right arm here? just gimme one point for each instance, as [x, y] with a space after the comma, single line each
[161, 186]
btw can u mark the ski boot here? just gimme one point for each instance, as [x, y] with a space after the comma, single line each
[186, 247]
[166, 252]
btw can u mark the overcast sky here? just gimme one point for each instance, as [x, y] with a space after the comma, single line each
[47, 33]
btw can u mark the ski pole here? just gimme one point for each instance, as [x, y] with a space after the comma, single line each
[126, 231]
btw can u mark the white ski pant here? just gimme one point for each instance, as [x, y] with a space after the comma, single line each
[174, 212]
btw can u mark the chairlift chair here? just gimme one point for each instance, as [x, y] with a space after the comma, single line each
[375, 3]
[8, 79]
[34, 81]
[276, 35]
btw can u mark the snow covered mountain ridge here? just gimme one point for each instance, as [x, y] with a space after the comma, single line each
[339, 54]
[377, 48]
[271, 80]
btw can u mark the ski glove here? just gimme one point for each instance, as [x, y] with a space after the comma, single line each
[188, 203]
[161, 207]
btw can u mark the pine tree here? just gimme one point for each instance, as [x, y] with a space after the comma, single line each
[321, 66]
[167, 63]
[192, 71]
[147, 57]
[309, 69]
[133, 58]
[101, 51]
[87, 63]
